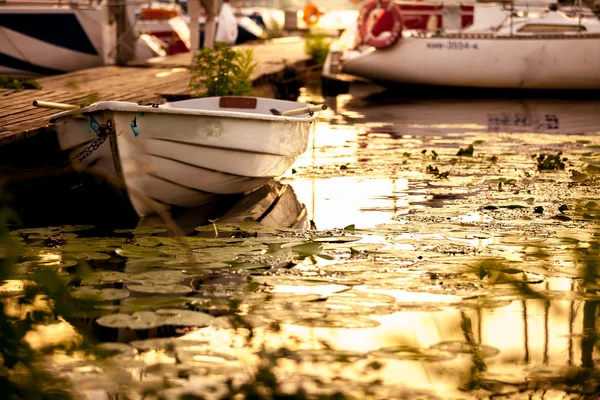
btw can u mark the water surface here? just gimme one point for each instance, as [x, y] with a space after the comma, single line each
[454, 254]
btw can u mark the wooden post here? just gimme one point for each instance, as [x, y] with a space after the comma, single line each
[210, 6]
[194, 13]
[126, 37]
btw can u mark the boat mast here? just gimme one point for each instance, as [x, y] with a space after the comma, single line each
[512, 11]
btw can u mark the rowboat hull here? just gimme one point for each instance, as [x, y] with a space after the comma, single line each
[186, 153]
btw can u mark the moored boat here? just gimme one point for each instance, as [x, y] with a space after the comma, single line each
[547, 49]
[189, 152]
[46, 39]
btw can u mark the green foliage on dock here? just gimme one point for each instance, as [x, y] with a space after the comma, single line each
[317, 46]
[8, 82]
[222, 71]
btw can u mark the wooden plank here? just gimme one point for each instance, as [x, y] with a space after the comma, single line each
[142, 83]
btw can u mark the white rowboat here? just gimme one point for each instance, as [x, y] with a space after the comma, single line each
[185, 153]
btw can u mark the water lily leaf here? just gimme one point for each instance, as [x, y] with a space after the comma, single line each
[336, 239]
[177, 317]
[160, 288]
[134, 251]
[158, 277]
[136, 321]
[247, 265]
[149, 319]
[144, 230]
[511, 271]
[40, 232]
[106, 294]
[337, 321]
[308, 249]
[412, 353]
[133, 304]
[76, 228]
[89, 256]
[100, 277]
[117, 350]
[459, 347]
[321, 290]
[149, 241]
[259, 298]
[237, 321]
[514, 206]
[163, 343]
[62, 263]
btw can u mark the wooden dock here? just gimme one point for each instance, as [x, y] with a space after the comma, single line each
[143, 83]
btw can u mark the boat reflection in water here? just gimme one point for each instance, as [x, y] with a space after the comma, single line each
[371, 129]
[273, 204]
[420, 111]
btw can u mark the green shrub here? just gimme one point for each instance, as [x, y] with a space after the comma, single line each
[222, 71]
[317, 46]
[8, 82]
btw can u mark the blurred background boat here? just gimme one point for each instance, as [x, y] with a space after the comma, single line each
[505, 46]
[43, 38]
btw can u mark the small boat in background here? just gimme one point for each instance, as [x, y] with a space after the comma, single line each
[505, 47]
[185, 153]
[170, 23]
[47, 39]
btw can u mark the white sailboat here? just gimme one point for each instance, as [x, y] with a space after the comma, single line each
[504, 48]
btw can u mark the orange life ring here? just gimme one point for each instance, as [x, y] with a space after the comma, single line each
[311, 14]
[157, 13]
[377, 17]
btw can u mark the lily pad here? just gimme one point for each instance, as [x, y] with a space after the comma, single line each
[107, 294]
[148, 319]
[158, 277]
[459, 347]
[336, 239]
[159, 288]
[100, 277]
[412, 353]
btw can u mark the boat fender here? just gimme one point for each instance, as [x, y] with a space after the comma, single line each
[380, 23]
[311, 14]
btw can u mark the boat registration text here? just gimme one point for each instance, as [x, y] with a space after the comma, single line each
[453, 45]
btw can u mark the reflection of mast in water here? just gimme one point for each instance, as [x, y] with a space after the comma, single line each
[479, 324]
[525, 331]
[589, 337]
[546, 318]
[571, 322]
[312, 185]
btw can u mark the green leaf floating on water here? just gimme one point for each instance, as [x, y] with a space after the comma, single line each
[144, 230]
[100, 277]
[131, 250]
[149, 319]
[108, 294]
[47, 264]
[336, 239]
[307, 249]
[132, 304]
[161, 277]
[92, 255]
[160, 288]
[149, 241]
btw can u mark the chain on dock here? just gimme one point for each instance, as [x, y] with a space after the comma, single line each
[105, 130]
